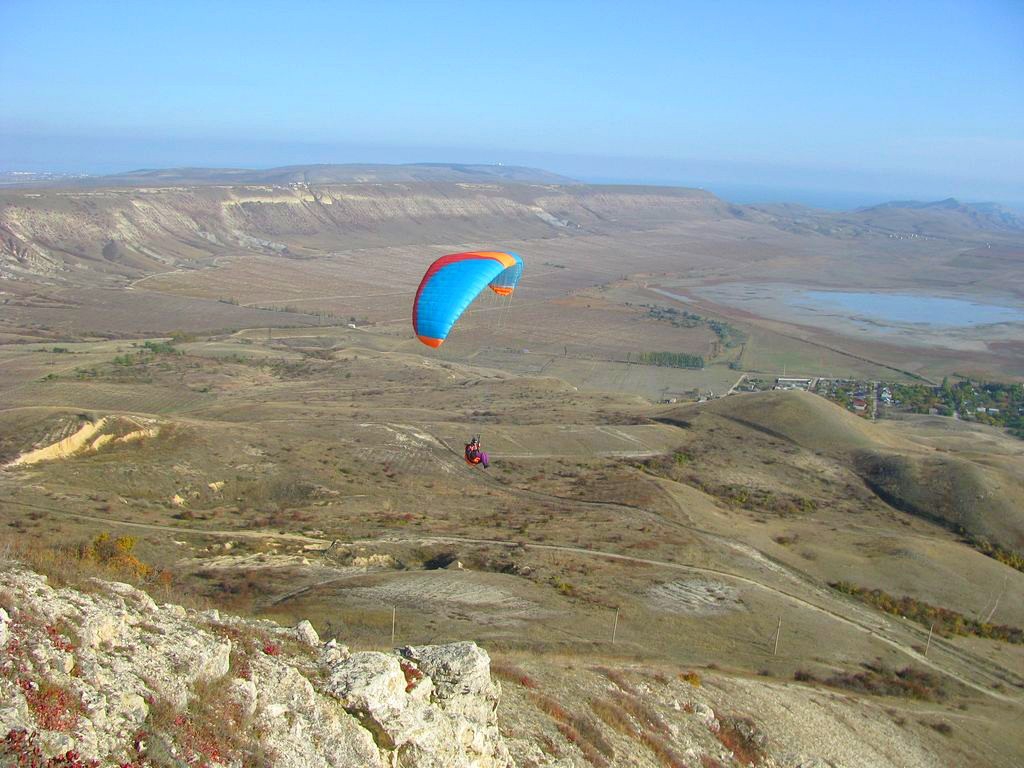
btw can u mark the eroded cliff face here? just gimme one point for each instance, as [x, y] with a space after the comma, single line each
[140, 230]
[110, 676]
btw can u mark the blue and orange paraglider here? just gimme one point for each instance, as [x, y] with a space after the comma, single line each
[453, 282]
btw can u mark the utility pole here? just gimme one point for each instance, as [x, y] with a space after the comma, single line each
[928, 644]
[394, 612]
[778, 632]
[615, 626]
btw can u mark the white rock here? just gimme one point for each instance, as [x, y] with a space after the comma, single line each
[5, 621]
[305, 633]
[133, 707]
[53, 743]
[14, 713]
[707, 715]
[100, 627]
[244, 692]
[368, 681]
[434, 709]
[304, 729]
[216, 663]
[132, 596]
[332, 652]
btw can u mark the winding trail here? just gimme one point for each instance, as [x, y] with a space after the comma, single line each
[874, 628]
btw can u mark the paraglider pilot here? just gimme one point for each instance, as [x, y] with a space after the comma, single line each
[474, 454]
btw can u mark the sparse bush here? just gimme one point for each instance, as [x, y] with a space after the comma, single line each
[878, 680]
[55, 708]
[615, 717]
[944, 728]
[412, 674]
[104, 557]
[618, 678]
[19, 748]
[58, 640]
[648, 719]
[946, 621]
[1004, 556]
[740, 736]
[590, 753]
[213, 728]
[690, 677]
[115, 554]
[581, 731]
[505, 671]
[667, 757]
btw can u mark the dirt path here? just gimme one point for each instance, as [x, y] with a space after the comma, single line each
[871, 630]
[872, 627]
[305, 299]
[875, 625]
[131, 285]
[219, 533]
[871, 623]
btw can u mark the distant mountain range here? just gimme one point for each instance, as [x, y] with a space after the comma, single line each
[987, 216]
[333, 174]
[949, 217]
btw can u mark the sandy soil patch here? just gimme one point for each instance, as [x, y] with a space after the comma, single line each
[458, 592]
[62, 448]
[698, 597]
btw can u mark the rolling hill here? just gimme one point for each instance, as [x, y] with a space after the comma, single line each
[955, 489]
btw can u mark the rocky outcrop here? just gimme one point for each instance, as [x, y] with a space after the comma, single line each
[113, 677]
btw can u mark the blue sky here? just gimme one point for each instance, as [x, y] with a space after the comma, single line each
[922, 99]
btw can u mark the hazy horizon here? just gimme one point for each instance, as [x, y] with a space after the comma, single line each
[736, 183]
[827, 105]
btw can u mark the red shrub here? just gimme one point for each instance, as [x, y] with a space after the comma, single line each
[272, 649]
[60, 642]
[21, 746]
[55, 708]
[412, 675]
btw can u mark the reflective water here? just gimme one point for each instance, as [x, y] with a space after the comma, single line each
[910, 308]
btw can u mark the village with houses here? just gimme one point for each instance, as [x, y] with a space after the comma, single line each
[994, 403]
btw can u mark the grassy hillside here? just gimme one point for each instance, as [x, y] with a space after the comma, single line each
[958, 491]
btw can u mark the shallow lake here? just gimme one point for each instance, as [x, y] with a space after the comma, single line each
[910, 308]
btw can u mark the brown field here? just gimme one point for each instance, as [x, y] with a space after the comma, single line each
[298, 467]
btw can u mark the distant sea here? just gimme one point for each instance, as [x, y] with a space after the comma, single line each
[835, 200]
[746, 194]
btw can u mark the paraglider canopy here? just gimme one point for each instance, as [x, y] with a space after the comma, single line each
[452, 282]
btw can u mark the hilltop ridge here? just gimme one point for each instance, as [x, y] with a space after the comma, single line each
[978, 216]
[320, 173]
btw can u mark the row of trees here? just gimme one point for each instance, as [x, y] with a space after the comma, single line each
[671, 359]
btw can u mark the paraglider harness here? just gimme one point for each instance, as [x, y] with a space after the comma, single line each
[474, 455]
